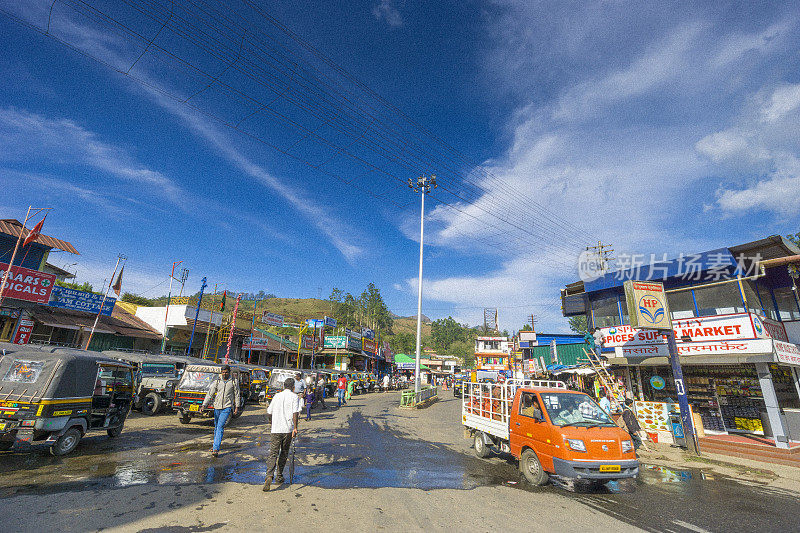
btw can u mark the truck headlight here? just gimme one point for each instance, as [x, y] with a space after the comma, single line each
[627, 446]
[576, 444]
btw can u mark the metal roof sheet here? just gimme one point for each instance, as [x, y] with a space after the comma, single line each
[13, 227]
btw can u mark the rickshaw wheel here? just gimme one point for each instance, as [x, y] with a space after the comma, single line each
[6, 445]
[66, 442]
[114, 432]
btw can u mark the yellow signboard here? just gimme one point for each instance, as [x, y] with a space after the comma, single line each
[647, 305]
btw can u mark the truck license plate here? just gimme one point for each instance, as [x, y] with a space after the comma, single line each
[610, 468]
[196, 407]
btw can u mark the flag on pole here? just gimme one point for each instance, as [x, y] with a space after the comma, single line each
[35, 232]
[222, 304]
[118, 285]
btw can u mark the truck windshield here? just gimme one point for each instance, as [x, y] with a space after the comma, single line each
[571, 409]
[199, 381]
[158, 369]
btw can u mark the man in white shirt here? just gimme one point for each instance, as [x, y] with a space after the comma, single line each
[385, 382]
[284, 410]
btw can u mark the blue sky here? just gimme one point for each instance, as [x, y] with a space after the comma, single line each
[658, 129]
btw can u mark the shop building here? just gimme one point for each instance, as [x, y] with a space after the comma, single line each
[493, 353]
[178, 322]
[29, 285]
[736, 317]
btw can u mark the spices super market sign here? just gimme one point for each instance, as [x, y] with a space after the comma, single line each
[28, 285]
[705, 329]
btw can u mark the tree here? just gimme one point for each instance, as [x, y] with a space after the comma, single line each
[404, 342]
[794, 238]
[578, 324]
[445, 332]
[136, 299]
[464, 350]
[85, 286]
[527, 327]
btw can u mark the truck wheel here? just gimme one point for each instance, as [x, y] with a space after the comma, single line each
[66, 442]
[532, 468]
[151, 404]
[184, 418]
[481, 450]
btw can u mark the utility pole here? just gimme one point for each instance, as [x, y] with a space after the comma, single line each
[196, 315]
[423, 185]
[603, 253]
[210, 322]
[169, 297]
[103, 301]
[183, 278]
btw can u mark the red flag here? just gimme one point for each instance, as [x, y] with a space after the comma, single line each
[34, 234]
[118, 285]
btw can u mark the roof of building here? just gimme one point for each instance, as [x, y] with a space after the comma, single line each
[13, 227]
[58, 271]
[119, 323]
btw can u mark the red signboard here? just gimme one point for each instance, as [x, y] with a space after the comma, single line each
[369, 345]
[24, 331]
[26, 284]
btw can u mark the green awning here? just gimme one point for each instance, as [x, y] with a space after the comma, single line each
[403, 358]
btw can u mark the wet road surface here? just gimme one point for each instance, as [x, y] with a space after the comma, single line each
[372, 444]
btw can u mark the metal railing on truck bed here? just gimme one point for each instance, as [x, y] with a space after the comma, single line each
[486, 406]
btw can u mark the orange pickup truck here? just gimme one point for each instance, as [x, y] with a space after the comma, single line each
[552, 431]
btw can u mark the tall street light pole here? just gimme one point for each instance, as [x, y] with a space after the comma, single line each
[423, 185]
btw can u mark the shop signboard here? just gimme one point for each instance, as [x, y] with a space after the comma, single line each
[65, 298]
[369, 346]
[24, 330]
[406, 366]
[708, 328]
[787, 353]
[352, 333]
[733, 347]
[354, 343]
[309, 342]
[367, 333]
[648, 303]
[335, 341]
[776, 330]
[272, 319]
[330, 322]
[26, 284]
[258, 343]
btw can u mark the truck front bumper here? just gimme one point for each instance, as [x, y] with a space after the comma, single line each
[591, 469]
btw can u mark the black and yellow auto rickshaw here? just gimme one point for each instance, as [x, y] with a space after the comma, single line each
[259, 379]
[58, 395]
[195, 383]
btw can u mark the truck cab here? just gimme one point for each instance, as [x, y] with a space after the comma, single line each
[554, 432]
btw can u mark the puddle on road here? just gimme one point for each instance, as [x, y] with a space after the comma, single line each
[363, 454]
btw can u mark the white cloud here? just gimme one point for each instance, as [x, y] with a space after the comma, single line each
[23, 134]
[387, 12]
[784, 100]
[735, 46]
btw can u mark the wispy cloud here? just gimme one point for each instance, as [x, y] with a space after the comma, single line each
[23, 133]
[386, 12]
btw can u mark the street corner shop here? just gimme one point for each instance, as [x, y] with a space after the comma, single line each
[737, 327]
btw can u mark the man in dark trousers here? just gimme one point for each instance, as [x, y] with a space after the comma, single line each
[632, 424]
[284, 411]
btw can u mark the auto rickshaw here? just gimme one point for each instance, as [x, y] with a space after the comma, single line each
[258, 383]
[56, 396]
[195, 383]
[277, 377]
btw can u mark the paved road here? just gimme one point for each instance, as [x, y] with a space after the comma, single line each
[368, 464]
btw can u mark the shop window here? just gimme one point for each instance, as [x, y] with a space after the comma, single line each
[719, 300]
[766, 300]
[681, 304]
[787, 304]
[751, 295]
[606, 312]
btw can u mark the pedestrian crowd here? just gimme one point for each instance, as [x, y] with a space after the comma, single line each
[299, 393]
